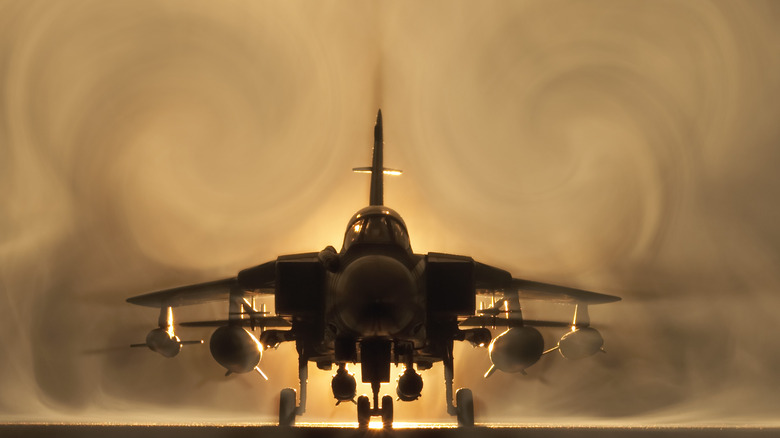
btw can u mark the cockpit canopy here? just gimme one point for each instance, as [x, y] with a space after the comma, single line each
[377, 225]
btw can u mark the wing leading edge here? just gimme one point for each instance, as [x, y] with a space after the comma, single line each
[534, 290]
[219, 290]
[258, 280]
[491, 280]
[186, 295]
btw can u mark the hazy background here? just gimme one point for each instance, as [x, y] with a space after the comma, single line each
[626, 147]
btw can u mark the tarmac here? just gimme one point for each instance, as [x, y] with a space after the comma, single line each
[265, 431]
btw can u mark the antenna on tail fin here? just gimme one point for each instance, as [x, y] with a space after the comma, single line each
[377, 169]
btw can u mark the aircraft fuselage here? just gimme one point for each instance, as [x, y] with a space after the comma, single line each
[375, 295]
[377, 288]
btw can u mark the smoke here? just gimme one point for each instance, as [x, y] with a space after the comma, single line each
[624, 147]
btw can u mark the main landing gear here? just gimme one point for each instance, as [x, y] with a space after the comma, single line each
[465, 407]
[464, 410]
[287, 408]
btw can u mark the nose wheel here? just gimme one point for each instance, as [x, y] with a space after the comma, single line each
[387, 412]
[365, 412]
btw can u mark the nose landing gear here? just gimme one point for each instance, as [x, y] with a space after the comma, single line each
[365, 412]
[375, 369]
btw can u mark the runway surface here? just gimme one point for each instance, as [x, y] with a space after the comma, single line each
[233, 431]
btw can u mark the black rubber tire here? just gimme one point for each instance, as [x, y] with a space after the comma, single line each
[287, 407]
[363, 411]
[465, 406]
[387, 412]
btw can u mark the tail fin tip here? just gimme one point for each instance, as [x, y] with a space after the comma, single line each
[377, 169]
[377, 166]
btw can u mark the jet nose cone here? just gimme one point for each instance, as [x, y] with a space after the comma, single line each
[376, 293]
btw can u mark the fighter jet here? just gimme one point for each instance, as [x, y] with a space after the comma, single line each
[375, 303]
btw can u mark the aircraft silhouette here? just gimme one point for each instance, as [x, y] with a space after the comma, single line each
[375, 303]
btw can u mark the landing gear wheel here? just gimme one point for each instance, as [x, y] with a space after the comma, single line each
[363, 411]
[287, 407]
[387, 412]
[465, 407]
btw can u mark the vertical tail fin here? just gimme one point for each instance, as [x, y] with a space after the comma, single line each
[377, 168]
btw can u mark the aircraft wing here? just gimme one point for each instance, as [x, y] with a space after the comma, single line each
[491, 280]
[255, 321]
[496, 321]
[534, 290]
[195, 294]
[260, 279]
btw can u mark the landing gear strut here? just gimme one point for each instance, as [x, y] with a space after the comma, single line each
[287, 408]
[464, 411]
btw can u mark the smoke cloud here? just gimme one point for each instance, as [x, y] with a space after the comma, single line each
[624, 147]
